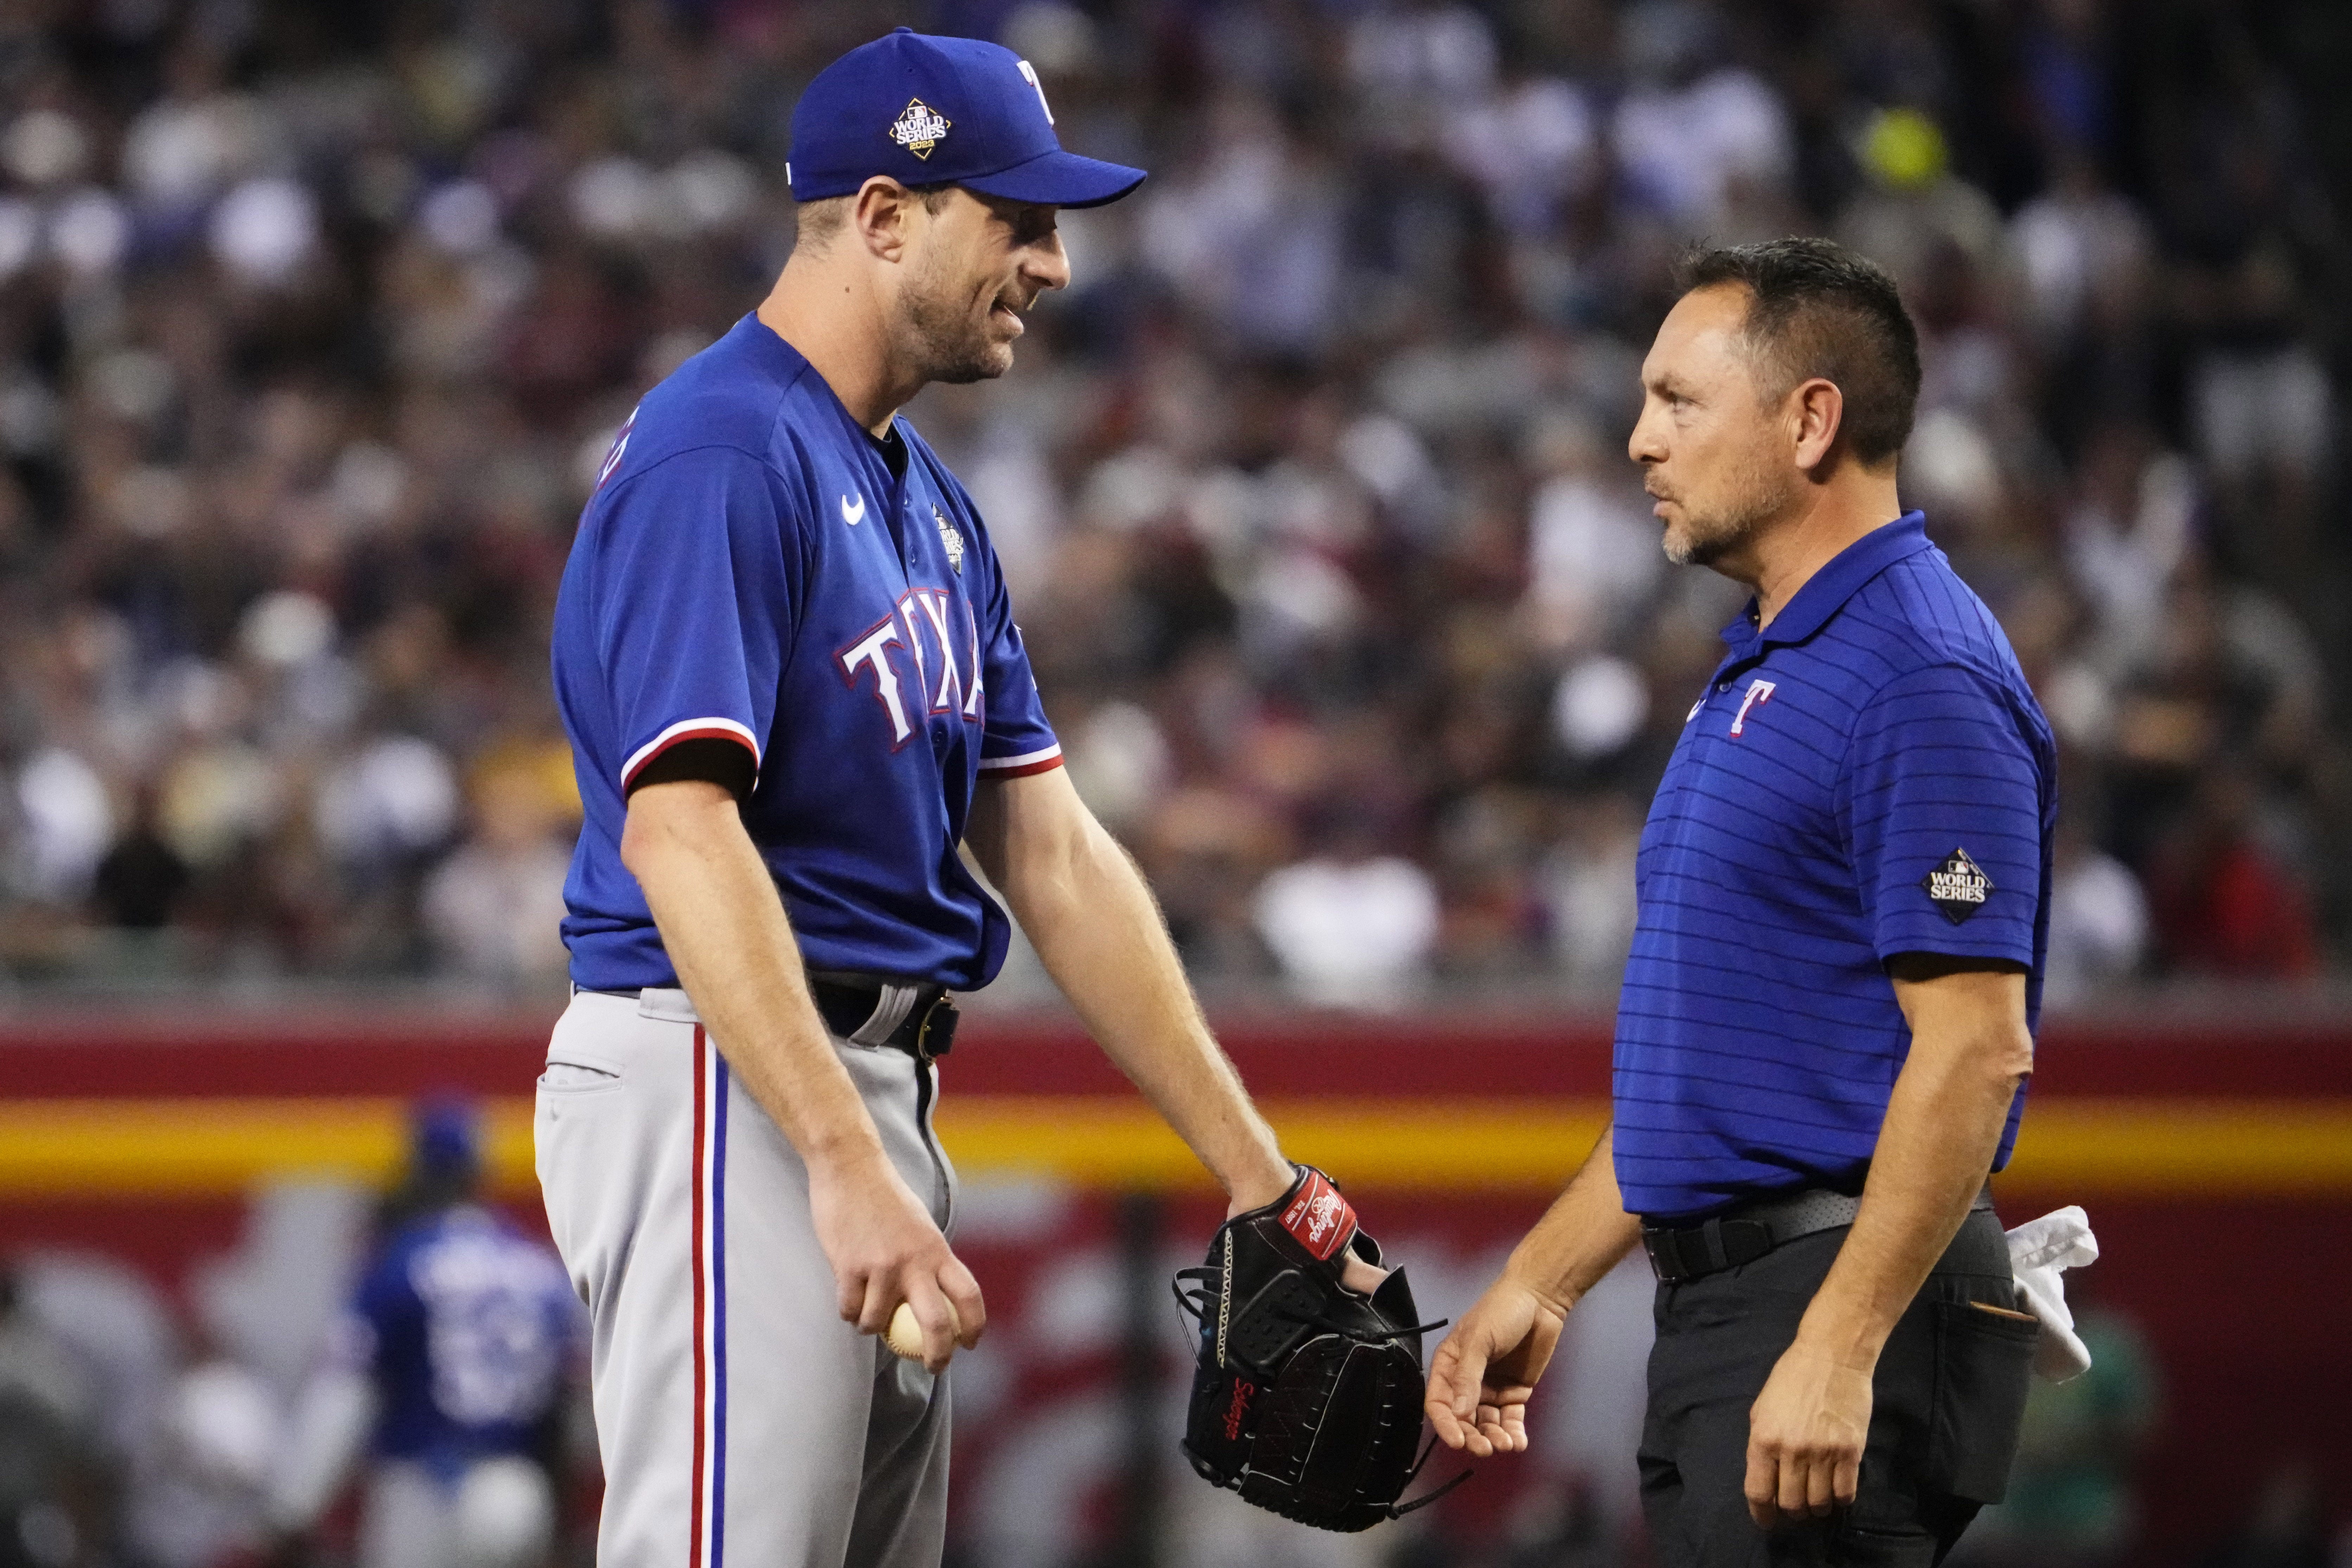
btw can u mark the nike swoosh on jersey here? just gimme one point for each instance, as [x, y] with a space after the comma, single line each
[853, 515]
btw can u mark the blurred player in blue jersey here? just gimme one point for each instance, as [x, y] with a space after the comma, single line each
[450, 1368]
[795, 694]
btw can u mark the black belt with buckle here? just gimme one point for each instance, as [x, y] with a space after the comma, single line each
[1742, 1234]
[926, 1033]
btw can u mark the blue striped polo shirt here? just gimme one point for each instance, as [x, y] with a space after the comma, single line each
[1870, 776]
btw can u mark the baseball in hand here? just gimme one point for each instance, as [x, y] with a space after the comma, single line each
[906, 1335]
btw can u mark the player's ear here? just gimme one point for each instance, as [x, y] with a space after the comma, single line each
[1815, 409]
[879, 216]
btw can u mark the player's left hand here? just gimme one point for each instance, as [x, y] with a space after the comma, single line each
[1360, 1276]
[1805, 1436]
[1357, 1275]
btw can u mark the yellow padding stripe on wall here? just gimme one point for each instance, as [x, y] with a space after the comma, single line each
[102, 1148]
[193, 1148]
[2127, 1146]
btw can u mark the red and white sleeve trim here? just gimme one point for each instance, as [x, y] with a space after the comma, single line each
[1025, 764]
[690, 729]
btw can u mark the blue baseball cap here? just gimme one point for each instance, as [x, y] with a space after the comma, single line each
[930, 110]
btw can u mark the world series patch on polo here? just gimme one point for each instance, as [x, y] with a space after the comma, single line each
[1958, 887]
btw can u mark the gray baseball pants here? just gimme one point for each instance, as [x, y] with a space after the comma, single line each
[741, 1421]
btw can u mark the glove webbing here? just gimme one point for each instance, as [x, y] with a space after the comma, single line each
[1196, 1304]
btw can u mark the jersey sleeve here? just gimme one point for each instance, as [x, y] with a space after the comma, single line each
[694, 604]
[1015, 740]
[1942, 798]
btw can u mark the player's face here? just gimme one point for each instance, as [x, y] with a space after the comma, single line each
[1712, 450]
[978, 264]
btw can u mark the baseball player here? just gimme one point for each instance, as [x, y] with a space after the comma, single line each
[451, 1367]
[1828, 1014]
[794, 689]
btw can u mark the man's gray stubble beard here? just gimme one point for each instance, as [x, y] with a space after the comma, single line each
[1706, 545]
[1705, 549]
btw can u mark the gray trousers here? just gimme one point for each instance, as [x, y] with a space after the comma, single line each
[741, 1421]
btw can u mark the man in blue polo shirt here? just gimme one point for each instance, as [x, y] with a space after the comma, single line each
[1827, 1017]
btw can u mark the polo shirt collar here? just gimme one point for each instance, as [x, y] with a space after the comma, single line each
[1827, 590]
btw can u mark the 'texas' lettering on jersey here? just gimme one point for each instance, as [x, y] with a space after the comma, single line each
[924, 630]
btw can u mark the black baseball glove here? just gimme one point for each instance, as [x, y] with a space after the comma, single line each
[1306, 1397]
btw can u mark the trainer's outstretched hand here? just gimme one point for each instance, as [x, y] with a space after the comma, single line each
[884, 1249]
[1480, 1378]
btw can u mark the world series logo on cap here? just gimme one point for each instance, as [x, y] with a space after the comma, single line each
[919, 128]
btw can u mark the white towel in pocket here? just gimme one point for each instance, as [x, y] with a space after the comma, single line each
[2040, 1253]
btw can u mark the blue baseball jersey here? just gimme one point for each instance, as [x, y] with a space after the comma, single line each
[466, 1327]
[1868, 776]
[751, 569]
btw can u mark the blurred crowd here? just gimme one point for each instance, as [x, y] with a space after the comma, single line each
[315, 320]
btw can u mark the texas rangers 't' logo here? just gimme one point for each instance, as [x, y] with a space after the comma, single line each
[1759, 691]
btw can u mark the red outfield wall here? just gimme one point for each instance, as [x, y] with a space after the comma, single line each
[2215, 1158]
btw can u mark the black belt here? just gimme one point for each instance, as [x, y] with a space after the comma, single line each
[926, 1033]
[1683, 1253]
[847, 1005]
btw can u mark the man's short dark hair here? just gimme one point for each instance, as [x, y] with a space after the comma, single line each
[1816, 309]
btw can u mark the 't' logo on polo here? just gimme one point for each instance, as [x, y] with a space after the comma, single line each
[1958, 887]
[1759, 691]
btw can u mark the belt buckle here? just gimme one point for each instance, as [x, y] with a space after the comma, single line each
[934, 1036]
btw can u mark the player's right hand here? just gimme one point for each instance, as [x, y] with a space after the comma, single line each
[884, 1249]
[1480, 1377]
